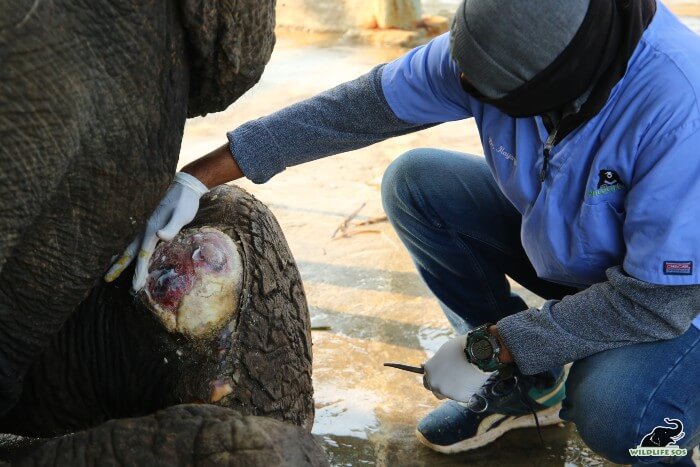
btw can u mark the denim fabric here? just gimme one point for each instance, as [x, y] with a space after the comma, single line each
[462, 233]
[464, 237]
[617, 397]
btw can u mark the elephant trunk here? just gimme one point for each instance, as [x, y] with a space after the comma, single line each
[677, 426]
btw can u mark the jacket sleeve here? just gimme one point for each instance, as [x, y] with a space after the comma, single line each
[621, 311]
[354, 114]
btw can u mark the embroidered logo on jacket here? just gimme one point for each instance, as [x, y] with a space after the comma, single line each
[608, 182]
[678, 268]
[502, 151]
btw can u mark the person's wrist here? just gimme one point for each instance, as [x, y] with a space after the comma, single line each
[482, 349]
[216, 168]
[504, 356]
[191, 182]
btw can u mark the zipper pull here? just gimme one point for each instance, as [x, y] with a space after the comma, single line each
[551, 141]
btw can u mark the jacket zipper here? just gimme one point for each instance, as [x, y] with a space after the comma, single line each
[551, 141]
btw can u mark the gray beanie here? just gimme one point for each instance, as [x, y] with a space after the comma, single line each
[502, 44]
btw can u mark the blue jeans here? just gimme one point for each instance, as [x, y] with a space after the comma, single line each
[464, 237]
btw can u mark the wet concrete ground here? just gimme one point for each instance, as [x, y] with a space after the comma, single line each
[363, 287]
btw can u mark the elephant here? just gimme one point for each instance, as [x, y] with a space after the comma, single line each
[663, 436]
[93, 102]
[237, 343]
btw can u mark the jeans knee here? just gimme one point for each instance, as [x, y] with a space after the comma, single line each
[604, 418]
[615, 412]
[397, 177]
[607, 436]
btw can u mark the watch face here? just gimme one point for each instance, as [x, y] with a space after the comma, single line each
[482, 350]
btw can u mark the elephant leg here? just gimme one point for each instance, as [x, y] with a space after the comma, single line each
[223, 320]
[182, 436]
[93, 107]
[94, 100]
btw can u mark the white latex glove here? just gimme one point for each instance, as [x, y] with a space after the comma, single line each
[449, 373]
[177, 209]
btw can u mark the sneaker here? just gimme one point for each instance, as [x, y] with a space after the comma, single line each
[499, 406]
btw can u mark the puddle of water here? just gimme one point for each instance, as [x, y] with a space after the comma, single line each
[344, 413]
[407, 283]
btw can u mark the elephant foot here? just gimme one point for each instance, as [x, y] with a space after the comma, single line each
[229, 297]
[223, 320]
[194, 282]
[184, 435]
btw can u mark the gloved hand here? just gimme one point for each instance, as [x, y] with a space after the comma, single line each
[177, 209]
[449, 374]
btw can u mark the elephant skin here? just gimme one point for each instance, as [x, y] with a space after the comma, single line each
[93, 101]
[202, 435]
[117, 358]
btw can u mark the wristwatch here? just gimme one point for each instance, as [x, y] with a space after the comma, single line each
[482, 349]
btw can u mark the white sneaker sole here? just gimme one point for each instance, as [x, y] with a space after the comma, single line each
[546, 417]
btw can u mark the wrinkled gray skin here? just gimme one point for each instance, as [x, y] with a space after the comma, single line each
[185, 435]
[93, 100]
[115, 359]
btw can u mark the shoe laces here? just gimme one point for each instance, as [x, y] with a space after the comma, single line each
[499, 386]
[526, 401]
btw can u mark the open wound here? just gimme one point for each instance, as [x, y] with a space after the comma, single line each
[194, 281]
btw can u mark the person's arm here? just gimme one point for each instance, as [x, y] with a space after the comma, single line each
[414, 92]
[642, 300]
[621, 311]
[216, 168]
[350, 116]
[419, 90]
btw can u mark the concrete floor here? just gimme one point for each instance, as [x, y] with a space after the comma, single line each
[363, 287]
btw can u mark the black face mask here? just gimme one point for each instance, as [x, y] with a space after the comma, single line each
[597, 56]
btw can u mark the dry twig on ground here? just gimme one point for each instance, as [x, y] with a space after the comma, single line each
[348, 228]
[346, 222]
